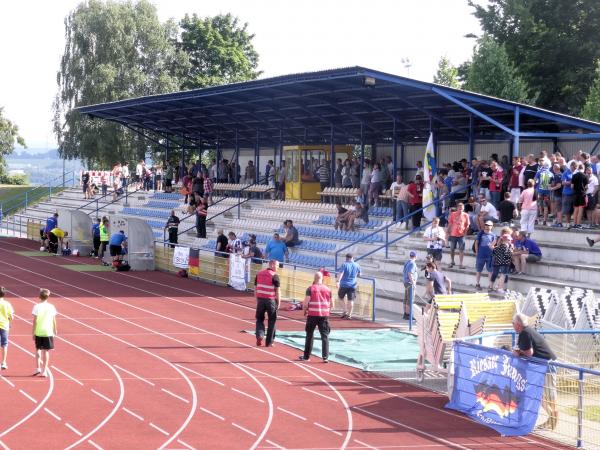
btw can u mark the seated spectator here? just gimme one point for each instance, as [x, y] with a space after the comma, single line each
[526, 251]
[291, 238]
[471, 205]
[507, 210]
[341, 220]
[276, 249]
[485, 212]
[221, 245]
[357, 213]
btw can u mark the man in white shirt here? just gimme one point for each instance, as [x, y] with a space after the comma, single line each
[486, 211]
[435, 236]
[139, 172]
[395, 189]
[125, 174]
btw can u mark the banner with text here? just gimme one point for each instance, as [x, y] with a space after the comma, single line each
[496, 388]
[181, 257]
[237, 272]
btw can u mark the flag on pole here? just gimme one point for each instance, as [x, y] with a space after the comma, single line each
[194, 261]
[429, 170]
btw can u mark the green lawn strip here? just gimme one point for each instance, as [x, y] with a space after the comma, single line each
[87, 267]
[589, 412]
[14, 196]
[33, 253]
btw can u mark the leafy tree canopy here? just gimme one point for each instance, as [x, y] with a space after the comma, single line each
[553, 43]
[491, 73]
[447, 74]
[9, 136]
[591, 107]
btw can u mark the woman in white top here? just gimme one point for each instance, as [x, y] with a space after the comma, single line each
[375, 187]
[591, 194]
[528, 207]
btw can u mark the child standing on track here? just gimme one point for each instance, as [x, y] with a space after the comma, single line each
[6, 315]
[44, 330]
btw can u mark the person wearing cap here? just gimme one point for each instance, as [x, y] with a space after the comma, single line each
[409, 277]
[347, 283]
[118, 242]
[317, 306]
[483, 247]
[268, 300]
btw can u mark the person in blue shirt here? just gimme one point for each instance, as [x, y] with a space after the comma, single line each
[346, 284]
[526, 251]
[96, 237]
[276, 249]
[410, 275]
[116, 245]
[567, 191]
[483, 251]
[51, 224]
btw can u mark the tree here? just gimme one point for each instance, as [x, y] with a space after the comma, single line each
[447, 74]
[491, 73]
[113, 51]
[591, 107]
[9, 136]
[219, 50]
[553, 43]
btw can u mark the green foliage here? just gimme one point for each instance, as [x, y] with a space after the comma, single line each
[591, 107]
[219, 51]
[16, 180]
[447, 74]
[491, 73]
[553, 43]
[9, 136]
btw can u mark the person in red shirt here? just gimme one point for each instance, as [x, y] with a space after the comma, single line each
[415, 189]
[317, 305]
[496, 183]
[458, 225]
[513, 183]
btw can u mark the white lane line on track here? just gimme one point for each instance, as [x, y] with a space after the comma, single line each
[174, 395]
[93, 444]
[158, 429]
[134, 375]
[201, 375]
[186, 445]
[248, 395]
[67, 375]
[102, 396]
[274, 444]
[73, 429]
[416, 430]
[320, 425]
[4, 446]
[291, 413]
[319, 394]
[367, 445]
[212, 413]
[27, 395]
[131, 413]
[266, 374]
[10, 383]
[52, 414]
[243, 429]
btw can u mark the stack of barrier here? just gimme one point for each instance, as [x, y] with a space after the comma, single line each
[294, 281]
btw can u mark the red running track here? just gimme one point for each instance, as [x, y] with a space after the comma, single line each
[148, 360]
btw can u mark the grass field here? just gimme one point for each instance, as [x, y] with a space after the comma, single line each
[14, 196]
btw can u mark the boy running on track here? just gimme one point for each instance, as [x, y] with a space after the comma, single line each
[44, 330]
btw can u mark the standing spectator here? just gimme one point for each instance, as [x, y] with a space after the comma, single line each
[44, 330]
[85, 184]
[125, 175]
[281, 182]
[269, 173]
[104, 183]
[346, 284]
[591, 194]
[528, 208]
[579, 184]
[208, 188]
[201, 214]
[250, 173]
[169, 177]
[501, 259]
[526, 251]
[324, 177]
[104, 236]
[213, 170]
[317, 305]
[365, 181]
[543, 181]
[158, 183]
[496, 180]
[415, 189]
[7, 314]
[395, 189]
[458, 226]
[267, 301]
[198, 187]
[276, 249]
[530, 170]
[567, 191]
[484, 244]
[507, 210]
[140, 172]
[172, 227]
[420, 172]
[355, 173]
[531, 343]
[221, 245]
[253, 251]
[96, 237]
[338, 173]
[196, 168]
[234, 245]
[485, 176]
[556, 189]
[403, 203]
[375, 187]
[435, 237]
[513, 184]
[410, 275]
[347, 174]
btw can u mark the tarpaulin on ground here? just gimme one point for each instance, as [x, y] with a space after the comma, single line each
[496, 388]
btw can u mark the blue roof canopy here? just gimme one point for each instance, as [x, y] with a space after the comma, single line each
[351, 102]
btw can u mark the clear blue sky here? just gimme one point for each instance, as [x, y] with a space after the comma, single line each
[291, 36]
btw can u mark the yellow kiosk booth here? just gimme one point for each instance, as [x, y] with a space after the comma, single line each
[302, 164]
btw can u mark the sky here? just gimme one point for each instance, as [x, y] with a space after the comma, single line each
[290, 37]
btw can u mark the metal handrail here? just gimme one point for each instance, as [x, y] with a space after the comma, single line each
[386, 228]
[127, 194]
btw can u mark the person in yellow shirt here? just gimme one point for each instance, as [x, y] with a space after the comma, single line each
[56, 237]
[44, 330]
[6, 315]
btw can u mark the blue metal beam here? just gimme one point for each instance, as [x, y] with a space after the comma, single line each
[517, 135]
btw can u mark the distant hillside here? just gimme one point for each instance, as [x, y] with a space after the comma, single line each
[34, 153]
[41, 165]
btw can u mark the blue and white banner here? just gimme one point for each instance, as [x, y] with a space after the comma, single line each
[496, 388]
[429, 170]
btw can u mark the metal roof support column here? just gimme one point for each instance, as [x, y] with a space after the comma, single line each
[471, 138]
[402, 158]
[257, 158]
[238, 169]
[515, 149]
[394, 152]
[362, 150]
[555, 146]
[331, 158]
[167, 150]
[280, 148]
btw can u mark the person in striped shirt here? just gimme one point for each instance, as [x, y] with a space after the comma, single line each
[317, 305]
